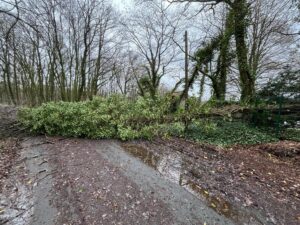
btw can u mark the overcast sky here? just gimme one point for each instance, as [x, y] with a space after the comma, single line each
[167, 81]
[121, 4]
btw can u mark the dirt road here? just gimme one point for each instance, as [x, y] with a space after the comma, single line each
[54, 180]
[97, 182]
[72, 181]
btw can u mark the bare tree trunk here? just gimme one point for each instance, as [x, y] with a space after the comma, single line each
[7, 71]
[40, 72]
[186, 88]
[16, 82]
[87, 43]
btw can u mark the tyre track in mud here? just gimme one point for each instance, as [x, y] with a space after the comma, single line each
[24, 191]
[151, 198]
[78, 181]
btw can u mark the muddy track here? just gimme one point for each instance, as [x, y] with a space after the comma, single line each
[97, 182]
[54, 180]
[63, 181]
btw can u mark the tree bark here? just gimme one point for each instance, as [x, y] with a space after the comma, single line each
[240, 28]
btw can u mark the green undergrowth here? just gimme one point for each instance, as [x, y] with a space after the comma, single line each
[121, 118]
[291, 134]
[226, 133]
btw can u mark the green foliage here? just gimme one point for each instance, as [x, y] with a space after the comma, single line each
[291, 134]
[286, 84]
[226, 133]
[68, 119]
[113, 117]
[121, 118]
[205, 54]
[195, 109]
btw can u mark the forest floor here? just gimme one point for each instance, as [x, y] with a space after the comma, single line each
[55, 180]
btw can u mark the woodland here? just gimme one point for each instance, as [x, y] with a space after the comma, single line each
[104, 69]
[150, 112]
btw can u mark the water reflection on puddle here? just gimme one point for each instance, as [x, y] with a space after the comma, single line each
[169, 165]
[173, 167]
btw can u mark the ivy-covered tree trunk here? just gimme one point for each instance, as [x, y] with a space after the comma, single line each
[202, 83]
[224, 59]
[240, 8]
[219, 89]
[216, 92]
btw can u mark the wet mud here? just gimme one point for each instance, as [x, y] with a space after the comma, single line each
[54, 180]
[26, 197]
[174, 167]
[246, 184]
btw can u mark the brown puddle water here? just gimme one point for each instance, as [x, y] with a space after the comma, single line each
[173, 167]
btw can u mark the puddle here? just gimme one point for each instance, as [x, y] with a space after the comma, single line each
[170, 166]
[146, 156]
[174, 168]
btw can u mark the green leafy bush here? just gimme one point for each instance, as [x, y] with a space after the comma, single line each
[119, 117]
[113, 117]
[68, 119]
